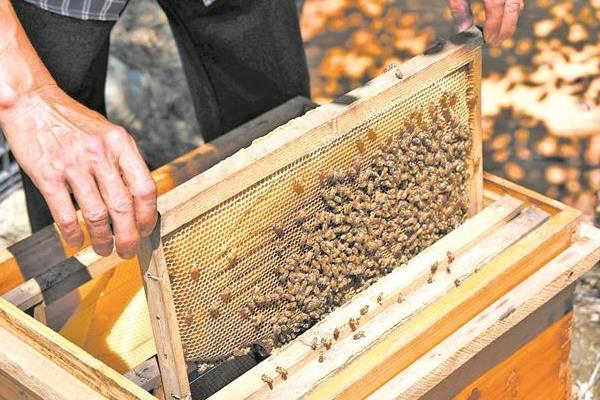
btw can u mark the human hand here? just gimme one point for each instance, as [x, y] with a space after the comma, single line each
[501, 17]
[65, 147]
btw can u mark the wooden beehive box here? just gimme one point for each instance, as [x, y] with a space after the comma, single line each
[493, 314]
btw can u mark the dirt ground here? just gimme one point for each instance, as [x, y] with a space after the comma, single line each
[541, 103]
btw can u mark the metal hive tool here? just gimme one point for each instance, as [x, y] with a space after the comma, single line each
[221, 252]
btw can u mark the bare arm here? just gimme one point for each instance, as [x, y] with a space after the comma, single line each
[67, 148]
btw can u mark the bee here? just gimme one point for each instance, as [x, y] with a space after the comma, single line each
[314, 343]
[457, 282]
[244, 312]
[278, 229]
[400, 299]
[189, 318]
[214, 310]
[259, 319]
[372, 135]
[430, 279]
[364, 310]
[301, 217]
[297, 187]
[358, 335]
[268, 380]
[321, 356]
[336, 333]
[360, 146]
[195, 272]
[231, 257]
[380, 298]
[282, 372]
[352, 323]
[434, 267]
[226, 295]
[326, 343]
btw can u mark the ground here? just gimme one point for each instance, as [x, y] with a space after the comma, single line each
[541, 96]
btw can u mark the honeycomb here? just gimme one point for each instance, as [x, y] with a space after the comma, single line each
[275, 258]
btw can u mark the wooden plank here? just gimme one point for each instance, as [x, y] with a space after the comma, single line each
[393, 352]
[316, 129]
[169, 349]
[27, 374]
[450, 354]
[496, 187]
[476, 159]
[506, 345]
[81, 365]
[547, 375]
[34, 254]
[483, 230]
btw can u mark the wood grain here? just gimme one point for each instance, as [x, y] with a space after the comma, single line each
[538, 371]
[448, 356]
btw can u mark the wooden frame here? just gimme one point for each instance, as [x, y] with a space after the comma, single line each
[451, 351]
[277, 150]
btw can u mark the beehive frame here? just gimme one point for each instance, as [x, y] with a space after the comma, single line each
[277, 150]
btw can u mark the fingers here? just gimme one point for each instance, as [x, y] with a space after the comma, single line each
[494, 12]
[120, 208]
[63, 212]
[93, 209]
[141, 186]
[512, 9]
[501, 18]
[461, 12]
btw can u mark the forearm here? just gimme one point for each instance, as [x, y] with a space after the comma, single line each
[21, 70]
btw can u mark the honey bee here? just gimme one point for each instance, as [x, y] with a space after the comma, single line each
[189, 318]
[336, 333]
[268, 380]
[297, 187]
[352, 323]
[450, 256]
[214, 310]
[226, 295]
[360, 146]
[364, 310]
[434, 267]
[400, 299]
[231, 257]
[457, 282]
[282, 372]
[358, 335]
[278, 229]
[301, 217]
[314, 343]
[326, 343]
[321, 356]
[195, 272]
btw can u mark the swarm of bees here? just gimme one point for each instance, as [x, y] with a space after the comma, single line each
[376, 215]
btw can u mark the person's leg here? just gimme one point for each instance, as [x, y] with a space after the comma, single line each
[76, 54]
[241, 58]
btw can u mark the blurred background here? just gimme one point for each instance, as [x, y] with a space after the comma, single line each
[540, 102]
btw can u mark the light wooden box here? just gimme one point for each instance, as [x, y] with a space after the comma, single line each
[496, 326]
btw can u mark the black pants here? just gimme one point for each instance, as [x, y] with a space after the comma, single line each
[241, 58]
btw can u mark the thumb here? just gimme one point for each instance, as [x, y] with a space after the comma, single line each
[461, 12]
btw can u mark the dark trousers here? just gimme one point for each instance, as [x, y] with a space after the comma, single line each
[241, 58]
